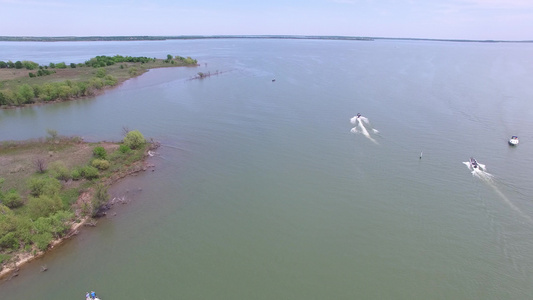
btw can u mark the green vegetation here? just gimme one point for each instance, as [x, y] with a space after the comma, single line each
[59, 82]
[38, 205]
[134, 139]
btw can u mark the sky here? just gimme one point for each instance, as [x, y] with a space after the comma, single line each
[509, 20]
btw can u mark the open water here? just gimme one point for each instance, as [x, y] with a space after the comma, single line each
[263, 189]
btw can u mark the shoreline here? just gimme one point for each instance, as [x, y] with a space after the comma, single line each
[95, 94]
[10, 270]
[82, 75]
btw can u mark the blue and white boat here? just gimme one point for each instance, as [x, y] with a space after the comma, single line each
[514, 140]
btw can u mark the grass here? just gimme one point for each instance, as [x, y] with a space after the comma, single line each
[12, 78]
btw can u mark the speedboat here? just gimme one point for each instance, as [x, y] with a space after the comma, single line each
[473, 163]
[514, 140]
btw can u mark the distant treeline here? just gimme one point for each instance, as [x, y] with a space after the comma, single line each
[159, 38]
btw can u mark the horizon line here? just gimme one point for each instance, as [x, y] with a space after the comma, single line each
[170, 37]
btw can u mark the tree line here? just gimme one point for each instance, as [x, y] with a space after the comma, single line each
[27, 94]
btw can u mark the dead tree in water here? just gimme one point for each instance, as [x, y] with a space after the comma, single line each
[202, 75]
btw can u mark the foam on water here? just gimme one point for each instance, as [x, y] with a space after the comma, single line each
[488, 179]
[360, 127]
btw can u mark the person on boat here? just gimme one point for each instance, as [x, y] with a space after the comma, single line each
[93, 295]
[87, 296]
[358, 115]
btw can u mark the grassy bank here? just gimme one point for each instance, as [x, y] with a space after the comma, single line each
[50, 186]
[25, 83]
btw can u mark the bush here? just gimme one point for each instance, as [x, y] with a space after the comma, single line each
[12, 199]
[59, 170]
[8, 241]
[76, 174]
[44, 186]
[100, 198]
[100, 164]
[100, 152]
[134, 139]
[42, 240]
[25, 93]
[43, 206]
[124, 149]
[89, 172]
[101, 72]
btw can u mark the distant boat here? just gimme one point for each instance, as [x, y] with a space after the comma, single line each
[514, 140]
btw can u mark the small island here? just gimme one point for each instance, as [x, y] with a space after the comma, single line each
[51, 186]
[25, 83]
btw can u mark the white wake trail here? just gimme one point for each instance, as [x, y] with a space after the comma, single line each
[360, 127]
[486, 177]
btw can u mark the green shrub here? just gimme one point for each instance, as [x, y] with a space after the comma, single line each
[100, 164]
[100, 198]
[124, 149]
[43, 206]
[89, 172]
[59, 170]
[76, 174]
[134, 139]
[12, 199]
[100, 73]
[42, 240]
[100, 152]
[8, 241]
[44, 186]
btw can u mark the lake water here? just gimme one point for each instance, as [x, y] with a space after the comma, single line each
[261, 190]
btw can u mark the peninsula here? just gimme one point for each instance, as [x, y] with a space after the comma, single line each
[25, 82]
[51, 186]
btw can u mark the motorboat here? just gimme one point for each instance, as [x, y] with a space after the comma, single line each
[473, 163]
[514, 140]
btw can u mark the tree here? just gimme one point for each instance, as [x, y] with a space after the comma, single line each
[18, 64]
[134, 139]
[25, 93]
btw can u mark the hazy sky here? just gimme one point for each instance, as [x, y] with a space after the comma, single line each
[439, 19]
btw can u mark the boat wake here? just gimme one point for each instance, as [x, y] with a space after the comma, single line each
[488, 179]
[360, 127]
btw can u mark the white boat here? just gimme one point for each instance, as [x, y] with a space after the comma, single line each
[514, 140]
